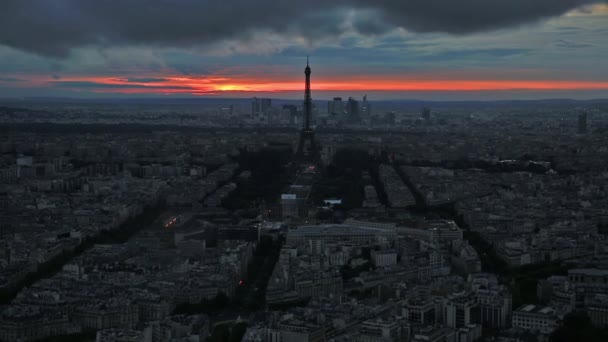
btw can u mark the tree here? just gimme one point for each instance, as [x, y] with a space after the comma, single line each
[221, 333]
[237, 332]
[577, 327]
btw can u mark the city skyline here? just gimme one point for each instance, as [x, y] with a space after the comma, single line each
[553, 50]
[318, 171]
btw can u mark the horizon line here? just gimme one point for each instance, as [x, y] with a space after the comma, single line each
[173, 97]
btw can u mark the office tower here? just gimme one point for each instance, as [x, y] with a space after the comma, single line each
[366, 109]
[426, 115]
[336, 106]
[292, 112]
[352, 108]
[260, 106]
[582, 123]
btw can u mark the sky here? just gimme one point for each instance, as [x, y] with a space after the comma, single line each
[388, 49]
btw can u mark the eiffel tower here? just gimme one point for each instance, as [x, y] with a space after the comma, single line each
[307, 135]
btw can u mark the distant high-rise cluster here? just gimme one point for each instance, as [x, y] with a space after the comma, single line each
[350, 111]
[260, 106]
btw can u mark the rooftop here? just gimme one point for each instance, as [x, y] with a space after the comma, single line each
[588, 271]
[338, 229]
[531, 308]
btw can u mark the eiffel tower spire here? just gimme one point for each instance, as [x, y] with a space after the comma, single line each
[307, 134]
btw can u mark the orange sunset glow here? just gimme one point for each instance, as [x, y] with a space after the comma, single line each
[213, 85]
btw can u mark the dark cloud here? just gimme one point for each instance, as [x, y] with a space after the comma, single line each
[10, 79]
[370, 23]
[562, 43]
[145, 79]
[469, 53]
[53, 27]
[467, 16]
[568, 29]
[97, 85]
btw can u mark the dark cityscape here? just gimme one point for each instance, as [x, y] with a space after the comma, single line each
[260, 171]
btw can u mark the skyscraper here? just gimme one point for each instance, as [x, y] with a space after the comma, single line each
[336, 106]
[260, 106]
[291, 111]
[366, 109]
[426, 115]
[352, 108]
[582, 123]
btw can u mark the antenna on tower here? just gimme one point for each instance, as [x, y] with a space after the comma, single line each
[306, 60]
